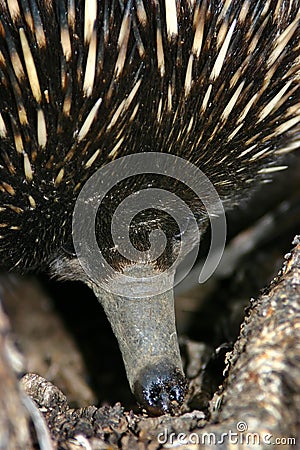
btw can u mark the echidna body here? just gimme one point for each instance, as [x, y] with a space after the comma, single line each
[85, 82]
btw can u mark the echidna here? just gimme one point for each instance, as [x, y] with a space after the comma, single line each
[82, 83]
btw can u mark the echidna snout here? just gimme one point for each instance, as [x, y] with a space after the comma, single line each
[146, 331]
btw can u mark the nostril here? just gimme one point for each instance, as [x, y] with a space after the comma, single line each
[160, 388]
[176, 394]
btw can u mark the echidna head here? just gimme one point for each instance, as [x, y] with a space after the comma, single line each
[137, 291]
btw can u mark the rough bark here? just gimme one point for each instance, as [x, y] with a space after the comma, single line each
[14, 424]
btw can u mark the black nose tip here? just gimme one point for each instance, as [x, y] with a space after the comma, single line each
[160, 388]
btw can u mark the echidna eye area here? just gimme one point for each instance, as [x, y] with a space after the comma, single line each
[148, 219]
